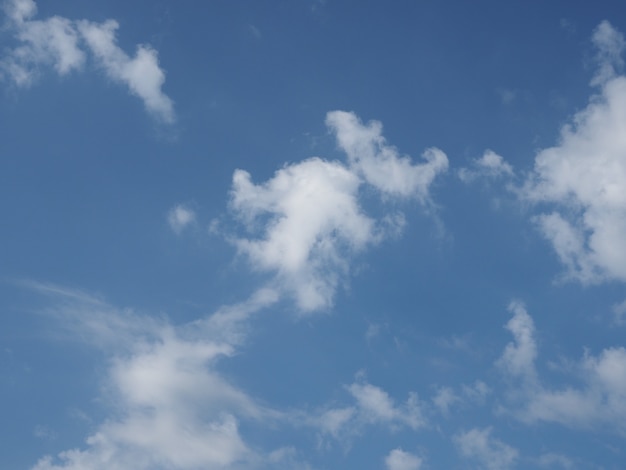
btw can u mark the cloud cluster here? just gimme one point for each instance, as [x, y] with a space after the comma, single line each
[581, 182]
[306, 221]
[63, 44]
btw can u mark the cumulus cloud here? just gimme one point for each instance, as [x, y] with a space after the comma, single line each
[581, 181]
[180, 217]
[314, 217]
[601, 400]
[398, 459]
[306, 222]
[63, 44]
[379, 163]
[490, 165]
[172, 409]
[491, 453]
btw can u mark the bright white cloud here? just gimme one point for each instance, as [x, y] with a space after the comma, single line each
[490, 165]
[59, 42]
[582, 180]
[306, 221]
[314, 222]
[491, 453]
[398, 459]
[179, 217]
[379, 163]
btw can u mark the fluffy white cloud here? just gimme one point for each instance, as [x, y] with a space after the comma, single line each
[314, 218]
[491, 453]
[379, 163]
[582, 180]
[59, 42]
[489, 165]
[398, 459]
[306, 222]
[179, 217]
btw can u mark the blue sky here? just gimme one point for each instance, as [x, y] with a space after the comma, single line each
[312, 234]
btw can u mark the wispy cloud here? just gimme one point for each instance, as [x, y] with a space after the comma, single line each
[172, 408]
[600, 401]
[63, 44]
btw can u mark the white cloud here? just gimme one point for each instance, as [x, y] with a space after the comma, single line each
[53, 42]
[20, 10]
[582, 180]
[59, 42]
[398, 459]
[372, 407]
[179, 217]
[171, 408]
[518, 359]
[610, 46]
[379, 163]
[141, 74]
[601, 400]
[314, 222]
[490, 165]
[492, 454]
[306, 223]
